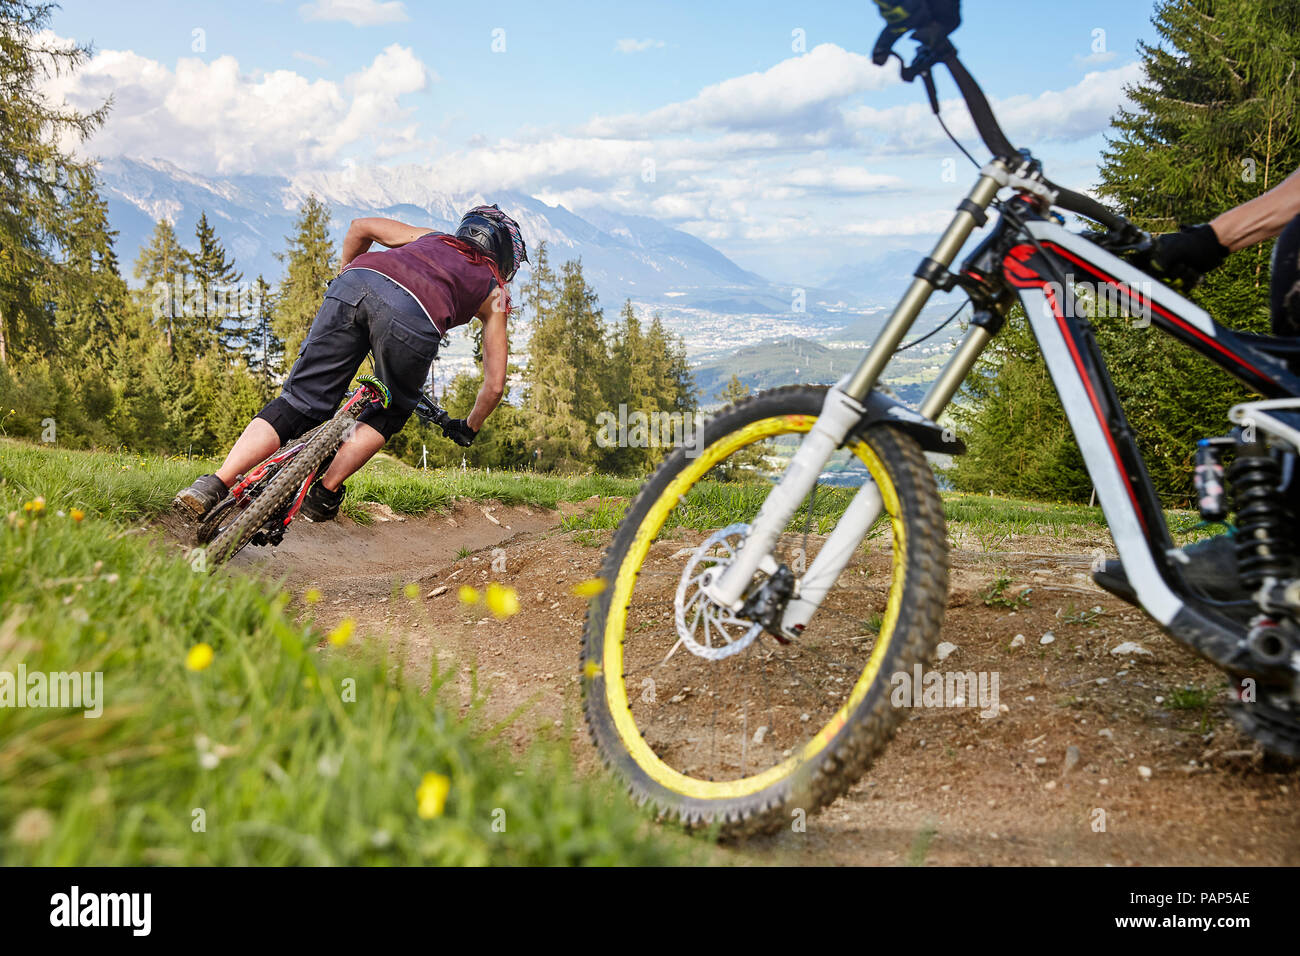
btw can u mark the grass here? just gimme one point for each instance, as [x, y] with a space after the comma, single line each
[278, 751]
[136, 487]
[994, 521]
[1198, 702]
[981, 514]
[1191, 698]
[123, 485]
[1083, 617]
[920, 847]
[413, 491]
[997, 594]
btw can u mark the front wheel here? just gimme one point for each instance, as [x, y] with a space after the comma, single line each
[726, 725]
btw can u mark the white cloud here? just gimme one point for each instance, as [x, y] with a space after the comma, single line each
[750, 162]
[840, 179]
[215, 118]
[924, 223]
[310, 58]
[1101, 56]
[1068, 115]
[359, 13]
[754, 186]
[632, 45]
[792, 95]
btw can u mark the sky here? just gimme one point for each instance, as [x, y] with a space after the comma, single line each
[762, 128]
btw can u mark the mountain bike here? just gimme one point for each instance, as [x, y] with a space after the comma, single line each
[734, 677]
[261, 505]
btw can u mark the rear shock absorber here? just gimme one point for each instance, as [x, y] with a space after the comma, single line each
[1263, 550]
[1211, 498]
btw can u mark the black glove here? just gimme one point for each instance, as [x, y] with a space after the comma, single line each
[458, 430]
[932, 20]
[1188, 254]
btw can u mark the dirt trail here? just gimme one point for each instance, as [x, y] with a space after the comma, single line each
[1084, 731]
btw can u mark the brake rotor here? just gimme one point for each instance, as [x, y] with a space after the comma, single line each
[705, 628]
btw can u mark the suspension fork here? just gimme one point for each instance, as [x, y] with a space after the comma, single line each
[867, 504]
[841, 411]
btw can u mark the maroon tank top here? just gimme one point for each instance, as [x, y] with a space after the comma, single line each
[447, 285]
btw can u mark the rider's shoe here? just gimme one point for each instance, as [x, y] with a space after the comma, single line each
[1211, 568]
[321, 504]
[200, 498]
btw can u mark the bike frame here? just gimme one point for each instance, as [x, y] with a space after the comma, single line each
[1042, 263]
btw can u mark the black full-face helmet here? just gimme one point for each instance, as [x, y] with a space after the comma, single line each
[491, 230]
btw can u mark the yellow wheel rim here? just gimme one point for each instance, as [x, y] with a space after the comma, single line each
[616, 690]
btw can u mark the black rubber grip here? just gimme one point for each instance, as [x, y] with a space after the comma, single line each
[1089, 207]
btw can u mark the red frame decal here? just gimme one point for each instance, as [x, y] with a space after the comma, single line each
[1147, 302]
[1023, 276]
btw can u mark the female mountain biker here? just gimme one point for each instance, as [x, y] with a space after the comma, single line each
[397, 305]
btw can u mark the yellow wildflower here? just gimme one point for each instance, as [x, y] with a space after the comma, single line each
[589, 588]
[502, 601]
[431, 797]
[343, 633]
[199, 658]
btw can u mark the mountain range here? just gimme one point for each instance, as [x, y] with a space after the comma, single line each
[623, 256]
[732, 320]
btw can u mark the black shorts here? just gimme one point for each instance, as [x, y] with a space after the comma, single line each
[363, 312]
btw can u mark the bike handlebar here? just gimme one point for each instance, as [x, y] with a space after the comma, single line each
[429, 412]
[986, 124]
[1086, 206]
[981, 111]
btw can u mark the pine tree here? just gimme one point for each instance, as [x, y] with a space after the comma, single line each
[537, 297]
[35, 173]
[559, 387]
[163, 269]
[630, 387]
[264, 351]
[93, 297]
[1018, 440]
[630, 379]
[310, 265]
[220, 321]
[734, 391]
[745, 464]
[670, 372]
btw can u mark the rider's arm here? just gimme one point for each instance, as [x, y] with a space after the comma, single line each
[387, 232]
[496, 350]
[1262, 218]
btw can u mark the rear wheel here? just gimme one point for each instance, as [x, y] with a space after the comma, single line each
[726, 725]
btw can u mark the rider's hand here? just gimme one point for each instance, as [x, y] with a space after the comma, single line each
[1188, 254]
[458, 430]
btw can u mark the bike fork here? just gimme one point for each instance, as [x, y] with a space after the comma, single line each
[841, 411]
[867, 504]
